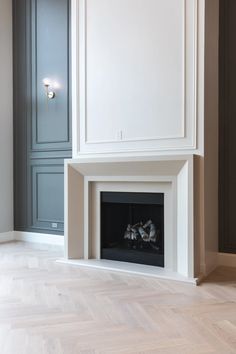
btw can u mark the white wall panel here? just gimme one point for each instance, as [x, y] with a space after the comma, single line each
[137, 81]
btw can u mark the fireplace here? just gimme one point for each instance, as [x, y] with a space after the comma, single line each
[104, 197]
[132, 227]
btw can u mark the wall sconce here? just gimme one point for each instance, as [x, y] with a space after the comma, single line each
[49, 89]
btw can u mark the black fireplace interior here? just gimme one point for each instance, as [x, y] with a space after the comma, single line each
[132, 227]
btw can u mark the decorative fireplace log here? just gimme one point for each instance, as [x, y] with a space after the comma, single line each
[134, 234]
[148, 223]
[127, 234]
[153, 232]
[142, 232]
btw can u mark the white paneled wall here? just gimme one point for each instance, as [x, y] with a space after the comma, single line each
[145, 85]
[137, 86]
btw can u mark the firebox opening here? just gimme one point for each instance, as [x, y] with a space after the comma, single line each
[132, 227]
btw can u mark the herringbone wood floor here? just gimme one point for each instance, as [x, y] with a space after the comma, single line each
[51, 308]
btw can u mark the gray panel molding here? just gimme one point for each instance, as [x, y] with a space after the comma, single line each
[31, 154]
[38, 97]
[52, 194]
[58, 154]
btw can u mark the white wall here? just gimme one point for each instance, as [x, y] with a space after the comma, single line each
[6, 118]
[137, 76]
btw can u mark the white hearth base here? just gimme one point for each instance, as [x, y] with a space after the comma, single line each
[130, 268]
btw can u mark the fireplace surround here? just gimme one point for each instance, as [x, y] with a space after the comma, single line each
[86, 181]
[156, 132]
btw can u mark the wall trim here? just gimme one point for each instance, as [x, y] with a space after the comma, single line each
[224, 259]
[188, 141]
[6, 236]
[227, 259]
[33, 237]
[206, 269]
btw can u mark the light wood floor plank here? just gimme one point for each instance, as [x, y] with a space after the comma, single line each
[53, 308]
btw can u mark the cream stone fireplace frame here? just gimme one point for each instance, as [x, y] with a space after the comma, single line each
[86, 179]
[160, 126]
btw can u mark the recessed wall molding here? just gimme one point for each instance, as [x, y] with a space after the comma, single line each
[46, 114]
[140, 94]
[42, 126]
[47, 213]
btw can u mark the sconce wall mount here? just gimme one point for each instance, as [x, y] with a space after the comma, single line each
[49, 93]
[48, 89]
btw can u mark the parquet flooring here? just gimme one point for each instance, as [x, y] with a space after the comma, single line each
[52, 308]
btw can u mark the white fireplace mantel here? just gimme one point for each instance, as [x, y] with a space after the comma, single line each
[86, 178]
[145, 116]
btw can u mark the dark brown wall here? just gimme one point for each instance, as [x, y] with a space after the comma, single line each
[227, 128]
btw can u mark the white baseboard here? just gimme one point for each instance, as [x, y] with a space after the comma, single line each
[7, 236]
[33, 237]
[210, 263]
[224, 259]
[227, 259]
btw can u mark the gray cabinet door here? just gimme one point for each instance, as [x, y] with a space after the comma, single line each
[42, 126]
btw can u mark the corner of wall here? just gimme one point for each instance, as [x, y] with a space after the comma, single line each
[211, 134]
[6, 118]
